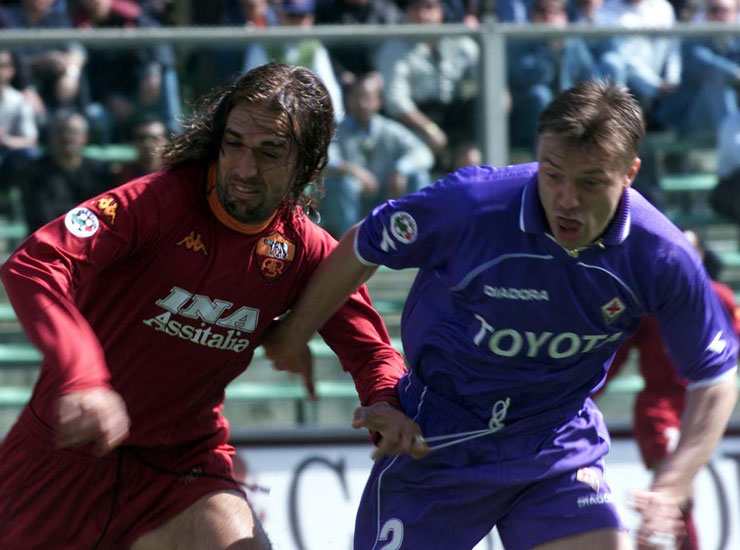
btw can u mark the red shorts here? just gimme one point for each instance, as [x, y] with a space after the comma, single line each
[56, 499]
[657, 426]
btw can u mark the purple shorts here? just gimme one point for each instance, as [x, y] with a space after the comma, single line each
[534, 487]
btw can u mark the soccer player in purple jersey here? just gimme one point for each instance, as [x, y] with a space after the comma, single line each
[530, 277]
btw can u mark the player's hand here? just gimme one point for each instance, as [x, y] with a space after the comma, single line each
[662, 518]
[96, 416]
[289, 355]
[399, 434]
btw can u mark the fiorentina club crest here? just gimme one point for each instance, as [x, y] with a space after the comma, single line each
[612, 309]
[274, 253]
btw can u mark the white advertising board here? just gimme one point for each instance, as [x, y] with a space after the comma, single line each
[314, 492]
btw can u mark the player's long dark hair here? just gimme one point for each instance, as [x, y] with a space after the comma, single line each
[294, 91]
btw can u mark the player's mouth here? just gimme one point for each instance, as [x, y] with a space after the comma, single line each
[247, 192]
[568, 229]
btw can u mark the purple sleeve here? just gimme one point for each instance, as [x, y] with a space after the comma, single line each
[418, 230]
[693, 323]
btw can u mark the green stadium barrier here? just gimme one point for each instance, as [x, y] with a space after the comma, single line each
[115, 152]
[17, 396]
[730, 258]
[688, 183]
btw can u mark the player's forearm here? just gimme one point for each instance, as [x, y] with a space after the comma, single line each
[705, 418]
[334, 280]
[72, 354]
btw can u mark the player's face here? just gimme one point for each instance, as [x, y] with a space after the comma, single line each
[580, 189]
[256, 166]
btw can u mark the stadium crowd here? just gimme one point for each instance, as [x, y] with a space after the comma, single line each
[406, 111]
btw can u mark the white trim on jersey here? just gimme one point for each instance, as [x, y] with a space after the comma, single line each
[357, 250]
[712, 381]
[616, 278]
[481, 268]
[380, 476]
[521, 210]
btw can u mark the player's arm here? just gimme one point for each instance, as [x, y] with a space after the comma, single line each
[41, 279]
[703, 347]
[391, 236]
[708, 409]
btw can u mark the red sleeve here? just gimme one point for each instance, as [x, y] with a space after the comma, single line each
[44, 274]
[727, 299]
[357, 334]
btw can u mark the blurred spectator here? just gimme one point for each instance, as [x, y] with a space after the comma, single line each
[125, 83]
[161, 10]
[728, 145]
[49, 77]
[710, 76]
[216, 66]
[585, 11]
[466, 154]
[373, 158]
[649, 66]
[537, 70]
[507, 11]
[725, 197]
[150, 136]
[431, 86]
[461, 11]
[18, 132]
[309, 53]
[62, 177]
[352, 59]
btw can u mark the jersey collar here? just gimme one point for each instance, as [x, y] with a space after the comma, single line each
[532, 216]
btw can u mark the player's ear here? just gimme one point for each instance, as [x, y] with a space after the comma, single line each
[632, 171]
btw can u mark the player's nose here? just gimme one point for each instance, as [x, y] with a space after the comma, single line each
[569, 198]
[247, 165]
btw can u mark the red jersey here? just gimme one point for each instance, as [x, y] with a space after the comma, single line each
[148, 290]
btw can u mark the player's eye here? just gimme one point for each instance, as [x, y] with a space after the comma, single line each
[271, 154]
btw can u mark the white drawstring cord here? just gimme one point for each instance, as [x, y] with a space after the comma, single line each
[498, 415]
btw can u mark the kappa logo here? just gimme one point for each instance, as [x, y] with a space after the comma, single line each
[612, 309]
[108, 207]
[193, 242]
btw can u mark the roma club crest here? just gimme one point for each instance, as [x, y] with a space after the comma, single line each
[274, 254]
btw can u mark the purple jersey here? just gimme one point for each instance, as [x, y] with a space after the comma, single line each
[500, 311]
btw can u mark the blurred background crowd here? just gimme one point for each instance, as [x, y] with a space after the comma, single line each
[407, 111]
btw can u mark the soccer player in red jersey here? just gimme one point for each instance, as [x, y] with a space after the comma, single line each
[146, 302]
[660, 404]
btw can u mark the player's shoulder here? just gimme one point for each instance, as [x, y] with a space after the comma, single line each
[168, 188]
[313, 239]
[654, 236]
[489, 183]
[485, 189]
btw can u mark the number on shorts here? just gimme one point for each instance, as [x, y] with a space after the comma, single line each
[394, 528]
